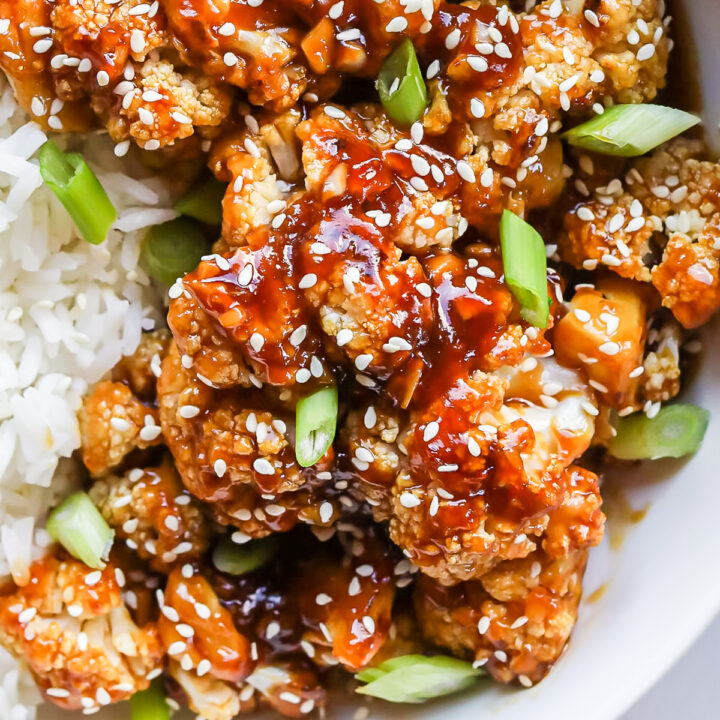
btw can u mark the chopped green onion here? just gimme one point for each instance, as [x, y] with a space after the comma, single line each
[315, 423]
[630, 130]
[150, 704]
[677, 430]
[79, 190]
[525, 267]
[401, 86]
[416, 678]
[173, 249]
[203, 201]
[80, 528]
[234, 559]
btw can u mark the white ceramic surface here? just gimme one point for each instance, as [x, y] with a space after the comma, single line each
[662, 586]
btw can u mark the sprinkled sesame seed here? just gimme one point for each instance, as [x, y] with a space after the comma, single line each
[263, 466]
[408, 500]
[189, 411]
[354, 587]
[326, 512]
[483, 625]
[307, 281]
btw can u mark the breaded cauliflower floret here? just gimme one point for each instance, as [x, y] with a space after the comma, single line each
[217, 361]
[140, 370]
[70, 626]
[670, 200]
[151, 511]
[514, 621]
[113, 422]
[485, 470]
[255, 48]
[352, 618]
[236, 455]
[258, 165]
[361, 154]
[167, 105]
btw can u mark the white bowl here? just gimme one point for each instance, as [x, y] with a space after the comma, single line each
[661, 587]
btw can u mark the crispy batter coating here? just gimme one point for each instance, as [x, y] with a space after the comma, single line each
[153, 513]
[140, 370]
[514, 621]
[481, 470]
[167, 105]
[70, 626]
[669, 201]
[604, 333]
[233, 453]
[113, 422]
[258, 167]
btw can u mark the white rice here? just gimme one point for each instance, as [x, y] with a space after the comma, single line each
[68, 312]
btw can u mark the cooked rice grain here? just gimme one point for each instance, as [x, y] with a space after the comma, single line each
[68, 312]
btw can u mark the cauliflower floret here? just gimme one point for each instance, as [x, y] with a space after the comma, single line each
[216, 360]
[101, 31]
[353, 616]
[153, 513]
[195, 625]
[234, 453]
[667, 200]
[604, 333]
[113, 422]
[289, 685]
[260, 53]
[140, 370]
[259, 165]
[361, 154]
[485, 469]
[164, 105]
[70, 626]
[514, 621]
[249, 298]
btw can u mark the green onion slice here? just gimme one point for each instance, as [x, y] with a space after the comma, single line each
[79, 190]
[203, 201]
[173, 249]
[525, 267]
[677, 430]
[416, 678]
[234, 559]
[401, 86]
[150, 704]
[315, 423]
[80, 528]
[630, 130]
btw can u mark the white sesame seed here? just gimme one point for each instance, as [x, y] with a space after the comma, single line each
[326, 512]
[119, 424]
[609, 348]
[408, 500]
[483, 625]
[369, 624]
[189, 411]
[263, 466]
[351, 34]
[307, 281]
[645, 52]
[452, 39]
[397, 24]
[431, 430]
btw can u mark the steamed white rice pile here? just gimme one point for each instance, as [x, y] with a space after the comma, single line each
[68, 312]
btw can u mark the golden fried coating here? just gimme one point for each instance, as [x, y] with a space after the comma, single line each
[153, 513]
[514, 621]
[70, 626]
[671, 200]
[113, 422]
[478, 474]
[232, 453]
[140, 370]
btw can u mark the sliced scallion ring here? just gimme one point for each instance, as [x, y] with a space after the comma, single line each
[417, 678]
[203, 201]
[79, 190]
[631, 130]
[173, 249]
[80, 528]
[315, 423]
[676, 431]
[525, 268]
[401, 86]
[150, 704]
[234, 559]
